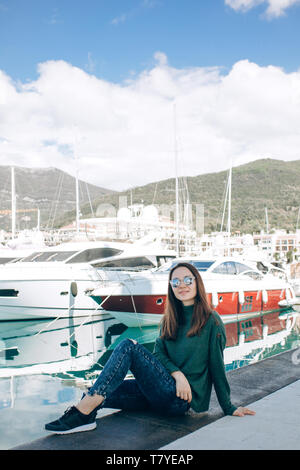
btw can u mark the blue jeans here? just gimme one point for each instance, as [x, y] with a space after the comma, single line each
[152, 389]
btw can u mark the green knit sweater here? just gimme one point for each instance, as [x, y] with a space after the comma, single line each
[200, 359]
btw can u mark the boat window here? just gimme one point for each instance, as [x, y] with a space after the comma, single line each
[200, 265]
[31, 257]
[6, 260]
[257, 276]
[60, 255]
[228, 267]
[94, 253]
[9, 293]
[45, 256]
[278, 273]
[161, 260]
[166, 267]
[140, 262]
[240, 268]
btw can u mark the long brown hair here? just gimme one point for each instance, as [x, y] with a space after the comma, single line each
[173, 315]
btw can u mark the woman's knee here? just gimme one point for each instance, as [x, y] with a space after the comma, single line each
[133, 340]
[125, 343]
[128, 341]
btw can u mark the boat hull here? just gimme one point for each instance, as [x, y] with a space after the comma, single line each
[142, 303]
[47, 292]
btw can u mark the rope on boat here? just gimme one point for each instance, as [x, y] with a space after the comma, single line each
[70, 307]
[85, 320]
[133, 303]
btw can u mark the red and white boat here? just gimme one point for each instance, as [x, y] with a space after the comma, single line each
[234, 289]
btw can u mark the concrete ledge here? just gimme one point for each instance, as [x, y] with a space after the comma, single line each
[274, 427]
[148, 431]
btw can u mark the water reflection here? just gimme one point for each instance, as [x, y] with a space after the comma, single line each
[255, 339]
[49, 347]
[248, 340]
[78, 348]
[45, 365]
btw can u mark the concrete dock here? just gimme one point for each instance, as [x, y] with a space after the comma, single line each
[276, 426]
[270, 387]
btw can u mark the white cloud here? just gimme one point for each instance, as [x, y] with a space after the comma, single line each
[275, 8]
[119, 19]
[123, 134]
[142, 6]
[243, 4]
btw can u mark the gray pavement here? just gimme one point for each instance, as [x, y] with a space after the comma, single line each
[275, 426]
[271, 387]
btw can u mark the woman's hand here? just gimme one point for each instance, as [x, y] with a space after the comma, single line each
[183, 389]
[241, 411]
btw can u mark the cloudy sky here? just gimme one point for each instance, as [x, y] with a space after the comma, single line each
[102, 85]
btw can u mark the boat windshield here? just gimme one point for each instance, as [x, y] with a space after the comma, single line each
[7, 260]
[83, 256]
[92, 254]
[133, 264]
[45, 256]
[200, 265]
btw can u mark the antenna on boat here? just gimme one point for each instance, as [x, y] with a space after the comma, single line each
[298, 217]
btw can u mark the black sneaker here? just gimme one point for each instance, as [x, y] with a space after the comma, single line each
[73, 421]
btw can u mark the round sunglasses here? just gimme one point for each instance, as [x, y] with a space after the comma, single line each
[187, 280]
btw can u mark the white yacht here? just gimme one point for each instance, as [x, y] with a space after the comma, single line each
[55, 282]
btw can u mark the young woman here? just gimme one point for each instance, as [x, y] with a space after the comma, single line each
[186, 361]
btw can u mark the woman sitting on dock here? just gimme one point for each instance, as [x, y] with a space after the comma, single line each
[178, 375]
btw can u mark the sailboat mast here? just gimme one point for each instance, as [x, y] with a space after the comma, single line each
[13, 203]
[267, 220]
[76, 179]
[77, 203]
[176, 183]
[229, 202]
[38, 219]
[225, 204]
[297, 224]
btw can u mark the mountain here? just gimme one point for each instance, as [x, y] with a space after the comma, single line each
[270, 183]
[265, 183]
[49, 189]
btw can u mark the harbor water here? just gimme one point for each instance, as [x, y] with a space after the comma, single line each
[45, 365]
